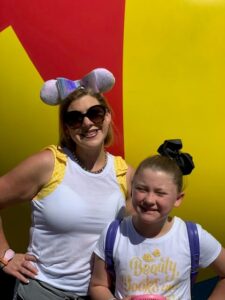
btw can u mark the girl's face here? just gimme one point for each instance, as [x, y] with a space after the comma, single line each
[90, 134]
[154, 195]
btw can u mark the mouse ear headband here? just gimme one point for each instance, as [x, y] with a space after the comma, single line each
[56, 91]
[171, 149]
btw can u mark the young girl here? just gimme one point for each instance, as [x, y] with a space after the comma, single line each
[151, 251]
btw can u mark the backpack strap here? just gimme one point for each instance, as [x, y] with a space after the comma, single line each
[194, 249]
[109, 244]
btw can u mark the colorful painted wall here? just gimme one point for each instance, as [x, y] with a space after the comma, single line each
[168, 58]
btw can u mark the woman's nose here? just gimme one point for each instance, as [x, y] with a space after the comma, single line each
[87, 121]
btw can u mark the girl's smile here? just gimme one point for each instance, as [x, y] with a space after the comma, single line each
[154, 194]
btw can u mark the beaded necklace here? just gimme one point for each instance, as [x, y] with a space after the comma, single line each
[86, 169]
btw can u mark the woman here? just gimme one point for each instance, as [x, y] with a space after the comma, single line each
[75, 189]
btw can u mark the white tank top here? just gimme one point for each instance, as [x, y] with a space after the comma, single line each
[67, 222]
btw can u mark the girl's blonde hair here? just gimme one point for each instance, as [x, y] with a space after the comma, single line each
[165, 164]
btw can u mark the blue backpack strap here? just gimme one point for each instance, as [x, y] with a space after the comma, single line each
[109, 244]
[194, 249]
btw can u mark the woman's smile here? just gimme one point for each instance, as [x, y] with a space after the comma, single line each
[90, 133]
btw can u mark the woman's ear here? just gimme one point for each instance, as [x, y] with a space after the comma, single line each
[108, 117]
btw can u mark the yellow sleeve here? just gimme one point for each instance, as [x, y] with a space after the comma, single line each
[121, 172]
[58, 172]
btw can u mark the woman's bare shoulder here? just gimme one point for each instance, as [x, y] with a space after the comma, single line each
[27, 178]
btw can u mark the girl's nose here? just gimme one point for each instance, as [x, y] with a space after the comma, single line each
[150, 198]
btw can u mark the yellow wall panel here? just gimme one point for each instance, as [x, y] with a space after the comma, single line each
[26, 124]
[174, 73]
[21, 126]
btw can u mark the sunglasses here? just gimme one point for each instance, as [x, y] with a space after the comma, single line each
[96, 114]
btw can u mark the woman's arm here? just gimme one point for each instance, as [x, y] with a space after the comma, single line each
[24, 181]
[219, 267]
[19, 185]
[3, 242]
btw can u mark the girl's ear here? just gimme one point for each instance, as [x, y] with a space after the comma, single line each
[179, 199]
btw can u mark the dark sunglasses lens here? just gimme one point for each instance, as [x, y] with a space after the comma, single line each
[96, 114]
[74, 119]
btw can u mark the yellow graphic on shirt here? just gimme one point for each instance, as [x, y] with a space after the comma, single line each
[151, 274]
[147, 257]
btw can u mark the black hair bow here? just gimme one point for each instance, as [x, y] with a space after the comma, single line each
[171, 149]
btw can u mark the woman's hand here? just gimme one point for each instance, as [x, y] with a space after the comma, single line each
[22, 267]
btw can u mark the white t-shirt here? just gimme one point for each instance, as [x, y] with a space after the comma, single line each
[158, 265]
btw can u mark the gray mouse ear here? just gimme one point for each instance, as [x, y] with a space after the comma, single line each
[99, 80]
[49, 93]
[105, 80]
